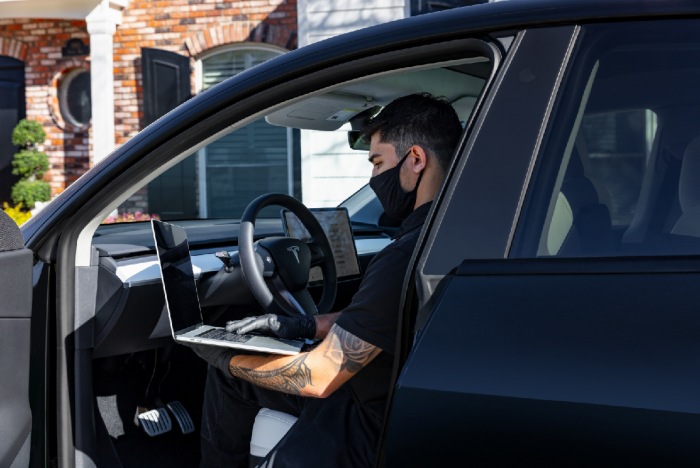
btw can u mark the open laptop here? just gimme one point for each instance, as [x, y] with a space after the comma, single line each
[182, 300]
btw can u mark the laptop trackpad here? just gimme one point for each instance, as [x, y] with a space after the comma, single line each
[274, 343]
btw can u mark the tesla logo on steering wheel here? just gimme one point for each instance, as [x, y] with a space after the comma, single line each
[294, 249]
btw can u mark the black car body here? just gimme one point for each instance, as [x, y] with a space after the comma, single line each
[550, 315]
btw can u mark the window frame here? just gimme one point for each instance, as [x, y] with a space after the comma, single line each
[63, 104]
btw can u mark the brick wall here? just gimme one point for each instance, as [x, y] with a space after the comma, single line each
[188, 27]
[38, 43]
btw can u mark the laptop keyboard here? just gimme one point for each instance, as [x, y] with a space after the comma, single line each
[219, 334]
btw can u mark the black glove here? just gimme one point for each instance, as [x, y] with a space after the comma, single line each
[215, 355]
[283, 327]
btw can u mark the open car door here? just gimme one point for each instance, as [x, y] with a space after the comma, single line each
[15, 326]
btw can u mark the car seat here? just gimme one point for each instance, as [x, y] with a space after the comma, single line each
[689, 192]
[269, 428]
[582, 218]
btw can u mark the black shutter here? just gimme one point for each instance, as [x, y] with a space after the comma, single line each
[166, 85]
[12, 110]
[421, 7]
[166, 82]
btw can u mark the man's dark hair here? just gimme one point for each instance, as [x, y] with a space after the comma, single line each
[417, 119]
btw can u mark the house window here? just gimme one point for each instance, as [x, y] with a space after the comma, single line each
[250, 161]
[74, 97]
[224, 65]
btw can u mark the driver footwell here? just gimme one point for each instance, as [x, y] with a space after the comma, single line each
[121, 385]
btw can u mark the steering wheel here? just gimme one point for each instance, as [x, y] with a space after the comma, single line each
[276, 269]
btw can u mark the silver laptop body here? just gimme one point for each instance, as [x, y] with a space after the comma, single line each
[182, 301]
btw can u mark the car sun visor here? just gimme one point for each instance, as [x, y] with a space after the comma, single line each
[327, 112]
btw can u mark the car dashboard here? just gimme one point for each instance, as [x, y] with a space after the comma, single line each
[130, 313]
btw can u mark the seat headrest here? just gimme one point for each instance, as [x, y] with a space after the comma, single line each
[10, 235]
[689, 185]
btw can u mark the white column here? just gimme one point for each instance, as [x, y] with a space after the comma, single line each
[101, 25]
[302, 23]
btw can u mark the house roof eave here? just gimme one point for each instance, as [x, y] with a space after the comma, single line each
[53, 9]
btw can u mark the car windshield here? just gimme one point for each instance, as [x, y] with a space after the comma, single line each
[302, 149]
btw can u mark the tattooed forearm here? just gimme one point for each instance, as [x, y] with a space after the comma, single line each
[347, 351]
[317, 373]
[290, 378]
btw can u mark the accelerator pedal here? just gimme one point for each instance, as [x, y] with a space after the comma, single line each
[181, 416]
[155, 422]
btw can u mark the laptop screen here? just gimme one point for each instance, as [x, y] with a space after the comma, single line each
[178, 276]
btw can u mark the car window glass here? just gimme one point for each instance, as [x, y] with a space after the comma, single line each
[614, 174]
[221, 179]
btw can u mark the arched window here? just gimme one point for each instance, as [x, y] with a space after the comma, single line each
[250, 161]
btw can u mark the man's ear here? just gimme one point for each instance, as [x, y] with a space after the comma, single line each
[419, 159]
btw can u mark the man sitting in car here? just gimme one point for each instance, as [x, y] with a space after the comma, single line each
[339, 389]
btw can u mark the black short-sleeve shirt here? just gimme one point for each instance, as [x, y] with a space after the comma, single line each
[373, 316]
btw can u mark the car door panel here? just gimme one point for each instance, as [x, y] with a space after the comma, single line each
[15, 328]
[546, 360]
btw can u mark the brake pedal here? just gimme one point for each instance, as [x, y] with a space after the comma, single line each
[181, 416]
[155, 422]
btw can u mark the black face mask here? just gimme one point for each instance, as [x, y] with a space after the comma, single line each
[396, 202]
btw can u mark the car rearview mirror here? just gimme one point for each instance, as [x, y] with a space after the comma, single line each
[357, 142]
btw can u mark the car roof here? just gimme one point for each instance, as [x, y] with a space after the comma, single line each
[434, 27]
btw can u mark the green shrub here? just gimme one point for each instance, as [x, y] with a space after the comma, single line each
[28, 192]
[28, 132]
[30, 164]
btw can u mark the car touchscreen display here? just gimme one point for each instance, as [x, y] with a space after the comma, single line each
[336, 224]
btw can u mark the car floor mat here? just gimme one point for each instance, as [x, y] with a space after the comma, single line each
[120, 389]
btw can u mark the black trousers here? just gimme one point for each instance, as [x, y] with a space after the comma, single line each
[329, 433]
